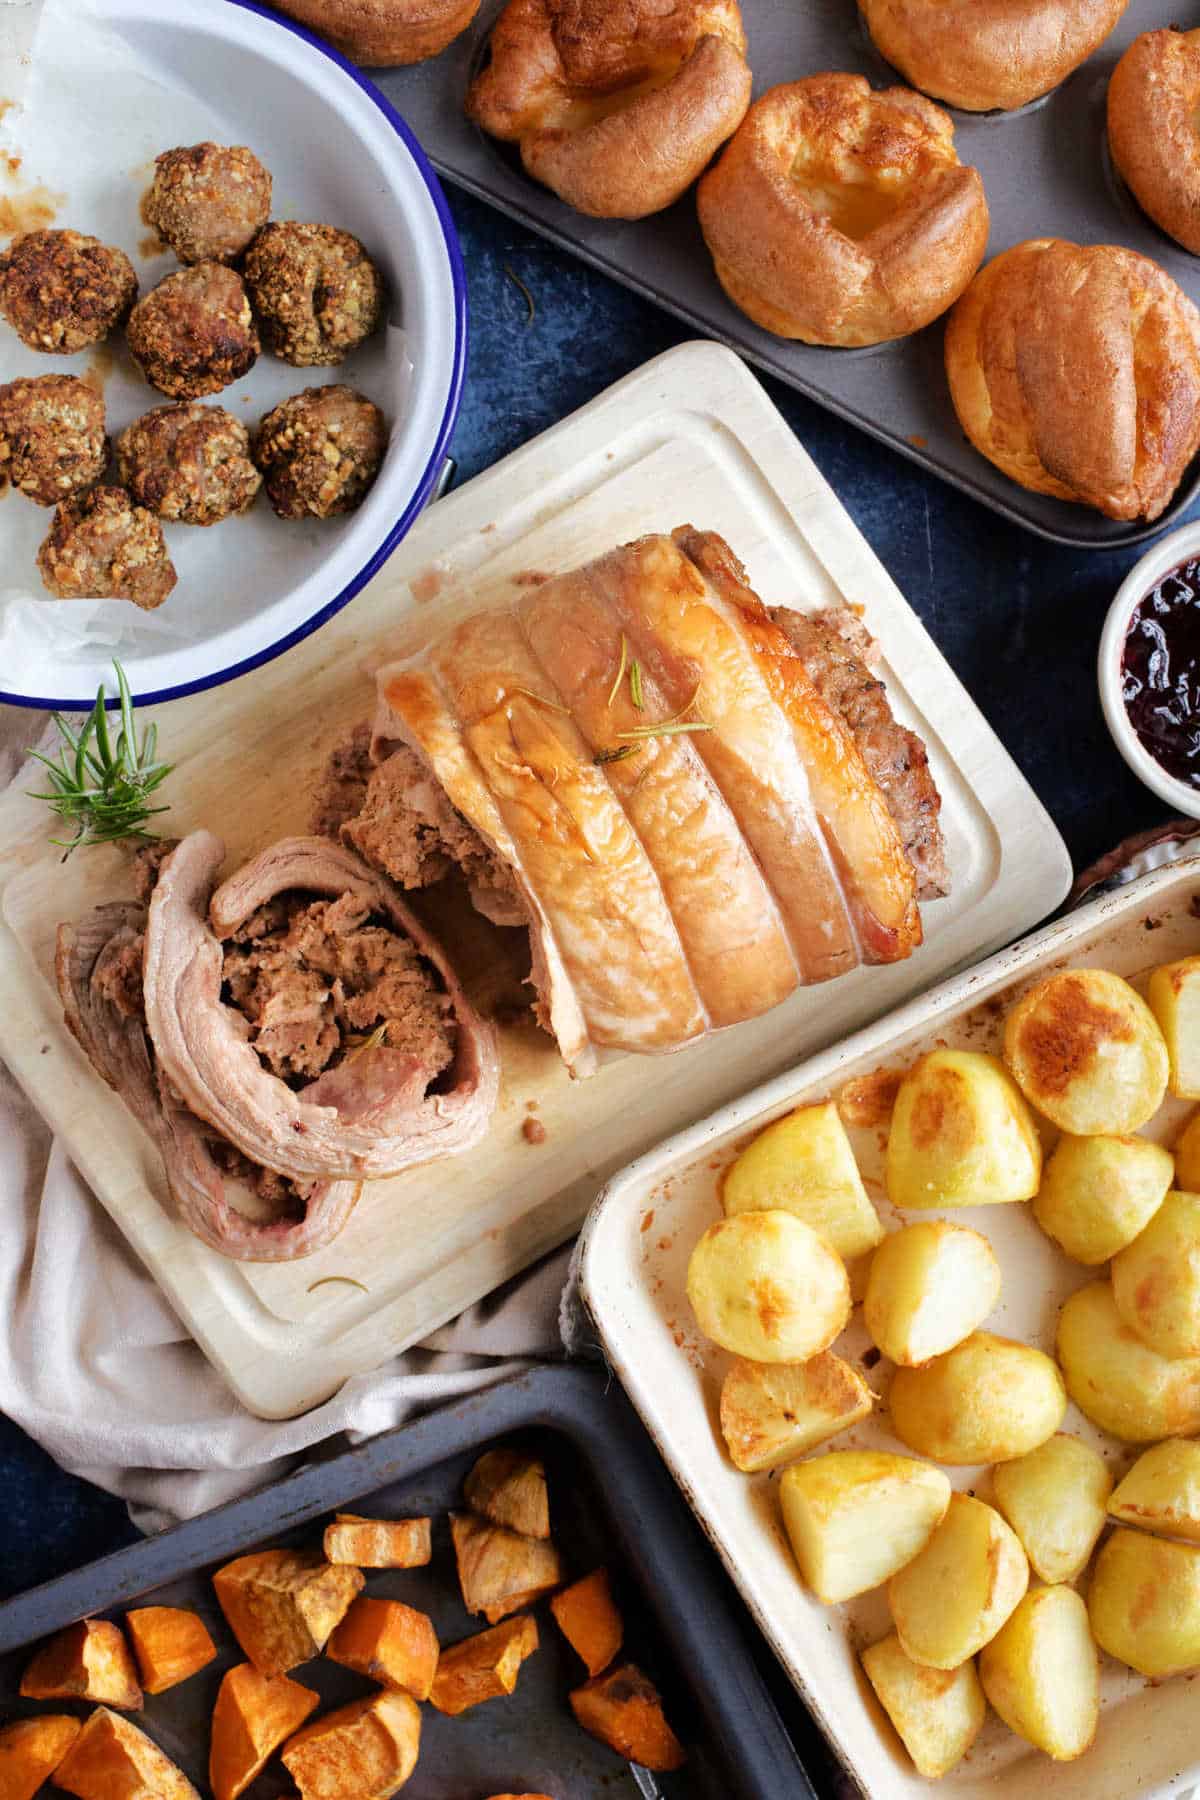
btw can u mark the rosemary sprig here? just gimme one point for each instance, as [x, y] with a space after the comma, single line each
[619, 755]
[101, 787]
[615, 689]
[668, 728]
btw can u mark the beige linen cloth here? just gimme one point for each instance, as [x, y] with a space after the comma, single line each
[97, 1368]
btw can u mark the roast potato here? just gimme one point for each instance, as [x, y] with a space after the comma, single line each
[956, 1593]
[765, 1286]
[1156, 1279]
[986, 1400]
[1187, 1156]
[1122, 1385]
[929, 1286]
[1144, 1603]
[1174, 997]
[1162, 1490]
[856, 1516]
[804, 1164]
[938, 1713]
[1042, 1674]
[961, 1135]
[1097, 1193]
[1055, 1499]
[772, 1413]
[1087, 1052]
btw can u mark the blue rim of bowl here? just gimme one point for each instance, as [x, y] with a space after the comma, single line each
[425, 485]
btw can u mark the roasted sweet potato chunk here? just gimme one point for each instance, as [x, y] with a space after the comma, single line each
[624, 1711]
[484, 1666]
[498, 1570]
[31, 1750]
[282, 1604]
[254, 1714]
[509, 1488]
[587, 1616]
[88, 1661]
[364, 1751]
[379, 1543]
[170, 1644]
[391, 1643]
[112, 1760]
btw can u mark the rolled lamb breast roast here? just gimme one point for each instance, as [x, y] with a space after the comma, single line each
[98, 965]
[694, 805]
[305, 1013]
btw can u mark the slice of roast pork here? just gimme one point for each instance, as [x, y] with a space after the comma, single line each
[372, 1111]
[98, 965]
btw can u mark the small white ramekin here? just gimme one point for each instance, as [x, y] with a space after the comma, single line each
[1177, 547]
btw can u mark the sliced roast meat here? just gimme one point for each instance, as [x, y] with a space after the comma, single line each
[374, 1109]
[840, 654]
[98, 965]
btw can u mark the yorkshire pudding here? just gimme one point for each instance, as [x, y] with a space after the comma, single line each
[1076, 370]
[843, 216]
[385, 33]
[617, 105]
[988, 54]
[1154, 129]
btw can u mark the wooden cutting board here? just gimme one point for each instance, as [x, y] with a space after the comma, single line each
[691, 437]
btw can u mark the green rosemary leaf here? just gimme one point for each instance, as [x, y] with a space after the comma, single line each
[635, 683]
[101, 785]
[669, 728]
[618, 755]
[615, 689]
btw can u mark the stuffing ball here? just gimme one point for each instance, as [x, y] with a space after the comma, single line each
[103, 547]
[315, 290]
[193, 334]
[61, 291]
[207, 200]
[319, 452]
[188, 463]
[52, 441]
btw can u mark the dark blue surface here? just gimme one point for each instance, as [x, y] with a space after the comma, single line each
[1019, 620]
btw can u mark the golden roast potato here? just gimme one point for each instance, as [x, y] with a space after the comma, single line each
[1041, 1672]
[1162, 1490]
[1174, 997]
[961, 1135]
[1187, 1156]
[986, 1400]
[1087, 1051]
[1156, 1279]
[1122, 1385]
[1055, 1498]
[956, 1593]
[765, 1286]
[804, 1164]
[1144, 1603]
[1097, 1193]
[928, 1287]
[856, 1516]
[938, 1713]
[771, 1413]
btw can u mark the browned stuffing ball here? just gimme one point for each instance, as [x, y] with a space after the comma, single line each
[194, 333]
[52, 441]
[208, 200]
[61, 291]
[319, 451]
[103, 547]
[189, 463]
[315, 290]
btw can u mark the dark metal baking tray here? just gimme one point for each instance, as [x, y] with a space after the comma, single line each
[611, 1501]
[1045, 168]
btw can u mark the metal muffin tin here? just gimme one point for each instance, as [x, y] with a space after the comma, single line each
[612, 1502]
[1045, 168]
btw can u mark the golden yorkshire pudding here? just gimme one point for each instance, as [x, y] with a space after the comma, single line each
[1076, 370]
[1154, 129]
[843, 216]
[986, 54]
[384, 33]
[617, 105]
